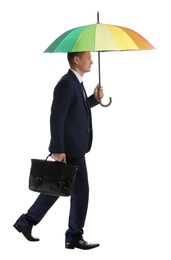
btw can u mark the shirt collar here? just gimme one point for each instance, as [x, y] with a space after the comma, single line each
[77, 75]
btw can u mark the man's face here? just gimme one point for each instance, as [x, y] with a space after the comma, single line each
[85, 62]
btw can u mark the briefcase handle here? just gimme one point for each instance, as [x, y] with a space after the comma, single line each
[48, 156]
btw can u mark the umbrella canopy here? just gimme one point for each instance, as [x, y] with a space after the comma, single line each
[97, 38]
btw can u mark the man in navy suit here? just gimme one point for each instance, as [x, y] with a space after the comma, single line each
[71, 139]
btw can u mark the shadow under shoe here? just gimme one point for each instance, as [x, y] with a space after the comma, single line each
[26, 233]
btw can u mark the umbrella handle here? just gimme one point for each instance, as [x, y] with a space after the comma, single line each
[110, 101]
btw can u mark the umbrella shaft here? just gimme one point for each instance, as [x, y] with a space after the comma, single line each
[99, 68]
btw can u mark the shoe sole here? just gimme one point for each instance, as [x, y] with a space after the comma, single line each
[83, 248]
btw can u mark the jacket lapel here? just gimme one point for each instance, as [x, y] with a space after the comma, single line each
[82, 91]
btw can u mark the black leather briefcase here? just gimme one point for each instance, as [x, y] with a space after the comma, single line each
[52, 177]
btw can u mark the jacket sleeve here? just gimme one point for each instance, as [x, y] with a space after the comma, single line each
[60, 105]
[92, 101]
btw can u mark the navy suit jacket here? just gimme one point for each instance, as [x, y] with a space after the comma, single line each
[70, 119]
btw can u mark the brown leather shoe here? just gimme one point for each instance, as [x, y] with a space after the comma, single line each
[81, 244]
[26, 233]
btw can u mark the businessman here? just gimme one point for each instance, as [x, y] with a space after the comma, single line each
[71, 138]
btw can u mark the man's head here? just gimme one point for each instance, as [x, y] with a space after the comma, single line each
[80, 61]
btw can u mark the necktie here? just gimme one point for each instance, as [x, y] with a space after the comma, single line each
[84, 92]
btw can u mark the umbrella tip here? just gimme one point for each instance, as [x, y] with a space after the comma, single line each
[97, 17]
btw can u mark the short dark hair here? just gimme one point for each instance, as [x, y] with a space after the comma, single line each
[71, 55]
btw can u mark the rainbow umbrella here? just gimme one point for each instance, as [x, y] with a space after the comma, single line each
[97, 38]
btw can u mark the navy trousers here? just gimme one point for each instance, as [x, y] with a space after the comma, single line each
[78, 205]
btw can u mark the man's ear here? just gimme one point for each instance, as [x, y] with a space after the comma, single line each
[76, 60]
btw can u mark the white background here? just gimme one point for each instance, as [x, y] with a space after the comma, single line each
[129, 164]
